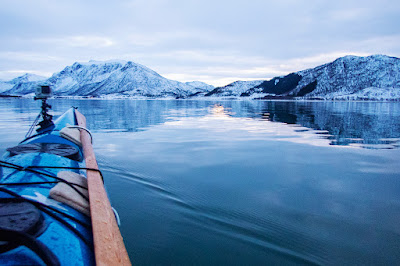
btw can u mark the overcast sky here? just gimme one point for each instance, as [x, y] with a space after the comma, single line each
[215, 41]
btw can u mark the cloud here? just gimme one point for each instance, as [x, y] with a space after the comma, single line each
[5, 75]
[87, 41]
[77, 41]
[26, 56]
[353, 14]
[213, 41]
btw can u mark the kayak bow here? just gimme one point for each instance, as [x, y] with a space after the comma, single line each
[54, 209]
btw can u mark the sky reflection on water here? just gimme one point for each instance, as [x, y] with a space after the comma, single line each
[221, 124]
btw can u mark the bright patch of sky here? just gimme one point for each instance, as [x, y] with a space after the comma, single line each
[214, 41]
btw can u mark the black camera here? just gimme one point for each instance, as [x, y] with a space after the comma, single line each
[43, 92]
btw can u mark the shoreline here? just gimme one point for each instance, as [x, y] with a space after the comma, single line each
[277, 99]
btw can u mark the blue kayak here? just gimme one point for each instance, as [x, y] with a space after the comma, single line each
[44, 200]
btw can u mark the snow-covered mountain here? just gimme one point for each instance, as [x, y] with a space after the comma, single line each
[5, 86]
[349, 77]
[203, 87]
[27, 78]
[112, 78]
[21, 83]
[234, 89]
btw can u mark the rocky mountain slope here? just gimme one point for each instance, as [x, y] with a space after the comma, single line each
[349, 77]
[19, 83]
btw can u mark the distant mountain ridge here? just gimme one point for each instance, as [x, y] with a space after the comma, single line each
[25, 80]
[351, 74]
[350, 77]
[118, 78]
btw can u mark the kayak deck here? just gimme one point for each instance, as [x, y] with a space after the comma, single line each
[36, 229]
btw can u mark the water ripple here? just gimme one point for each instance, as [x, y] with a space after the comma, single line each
[267, 233]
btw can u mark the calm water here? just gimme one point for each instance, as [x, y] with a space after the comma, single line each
[231, 182]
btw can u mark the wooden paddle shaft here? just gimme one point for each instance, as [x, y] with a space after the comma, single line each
[109, 246]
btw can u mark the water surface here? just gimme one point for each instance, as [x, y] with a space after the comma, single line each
[237, 182]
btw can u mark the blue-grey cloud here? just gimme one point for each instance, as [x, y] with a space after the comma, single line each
[214, 41]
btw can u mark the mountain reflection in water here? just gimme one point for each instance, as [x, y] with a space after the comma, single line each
[373, 125]
[368, 125]
[362, 124]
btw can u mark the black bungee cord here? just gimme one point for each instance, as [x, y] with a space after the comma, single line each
[28, 169]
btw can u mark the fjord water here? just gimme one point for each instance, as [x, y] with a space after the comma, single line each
[244, 182]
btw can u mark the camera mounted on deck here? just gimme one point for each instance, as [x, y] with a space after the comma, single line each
[43, 92]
